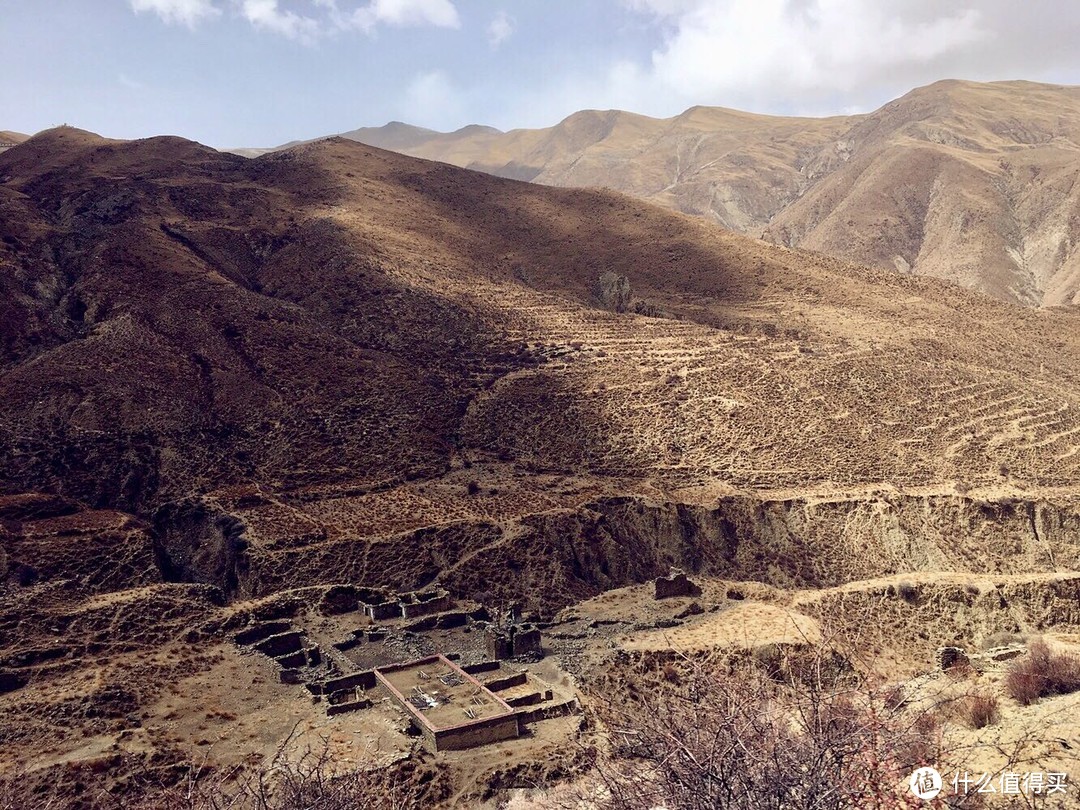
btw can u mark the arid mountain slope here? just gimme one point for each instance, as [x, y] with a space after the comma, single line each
[736, 168]
[975, 183]
[335, 318]
[8, 139]
[239, 392]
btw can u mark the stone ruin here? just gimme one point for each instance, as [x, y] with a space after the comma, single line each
[381, 605]
[339, 685]
[517, 641]
[952, 657]
[676, 583]
[508, 636]
[297, 658]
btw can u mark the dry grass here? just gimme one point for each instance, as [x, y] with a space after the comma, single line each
[979, 710]
[744, 739]
[1042, 673]
[312, 780]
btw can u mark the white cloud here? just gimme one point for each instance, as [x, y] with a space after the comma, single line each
[266, 14]
[796, 52]
[440, 13]
[326, 16]
[179, 12]
[500, 28]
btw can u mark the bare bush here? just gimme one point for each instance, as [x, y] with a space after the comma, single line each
[739, 738]
[1042, 673]
[310, 780]
[979, 709]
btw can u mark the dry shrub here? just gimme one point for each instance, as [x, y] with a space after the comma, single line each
[312, 780]
[895, 697]
[738, 738]
[908, 592]
[961, 670]
[979, 709]
[1042, 673]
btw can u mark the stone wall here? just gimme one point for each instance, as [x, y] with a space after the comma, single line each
[482, 732]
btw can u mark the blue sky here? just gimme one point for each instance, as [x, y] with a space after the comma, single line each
[262, 72]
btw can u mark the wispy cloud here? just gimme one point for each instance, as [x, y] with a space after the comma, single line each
[439, 13]
[431, 99]
[268, 16]
[130, 83]
[178, 12]
[754, 50]
[500, 29]
[325, 16]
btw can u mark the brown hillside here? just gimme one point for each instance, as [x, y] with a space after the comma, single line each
[233, 299]
[8, 138]
[974, 183]
[242, 392]
[335, 312]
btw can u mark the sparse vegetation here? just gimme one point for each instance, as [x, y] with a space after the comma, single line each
[979, 709]
[1042, 673]
[908, 592]
[310, 781]
[894, 697]
[741, 739]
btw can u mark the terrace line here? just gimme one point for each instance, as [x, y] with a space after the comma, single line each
[464, 712]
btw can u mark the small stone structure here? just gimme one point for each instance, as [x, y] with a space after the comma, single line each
[515, 641]
[423, 603]
[382, 611]
[450, 708]
[299, 661]
[508, 637]
[950, 657]
[675, 583]
[380, 606]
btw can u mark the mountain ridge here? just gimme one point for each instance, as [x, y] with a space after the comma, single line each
[835, 184]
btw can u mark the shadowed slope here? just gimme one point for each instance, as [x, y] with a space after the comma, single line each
[975, 183]
[179, 319]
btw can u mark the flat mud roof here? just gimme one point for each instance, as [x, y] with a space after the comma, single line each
[441, 695]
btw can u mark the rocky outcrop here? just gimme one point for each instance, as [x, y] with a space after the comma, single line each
[197, 541]
[675, 584]
[557, 557]
[612, 290]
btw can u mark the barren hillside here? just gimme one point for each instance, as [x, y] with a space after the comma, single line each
[974, 183]
[251, 393]
[8, 139]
